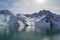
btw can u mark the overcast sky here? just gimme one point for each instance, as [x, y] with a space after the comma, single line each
[30, 6]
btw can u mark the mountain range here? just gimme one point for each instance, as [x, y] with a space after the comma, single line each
[43, 20]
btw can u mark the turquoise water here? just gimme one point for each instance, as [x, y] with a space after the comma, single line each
[32, 36]
[28, 36]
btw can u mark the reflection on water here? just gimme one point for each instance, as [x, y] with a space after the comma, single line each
[29, 34]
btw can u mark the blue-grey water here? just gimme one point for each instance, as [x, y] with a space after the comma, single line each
[24, 35]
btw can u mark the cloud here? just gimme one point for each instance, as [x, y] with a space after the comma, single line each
[6, 4]
[29, 6]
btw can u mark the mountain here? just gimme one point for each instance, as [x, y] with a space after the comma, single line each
[4, 16]
[43, 12]
[9, 21]
[5, 12]
[41, 22]
[45, 20]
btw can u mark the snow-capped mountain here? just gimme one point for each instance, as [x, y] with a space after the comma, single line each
[41, 21]
[45, 20]
[8, 21]
[50, 21]
[4, 18]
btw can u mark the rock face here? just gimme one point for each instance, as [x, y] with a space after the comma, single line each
[4, 18]
[9, 22]
[49, 22]
[41, 21]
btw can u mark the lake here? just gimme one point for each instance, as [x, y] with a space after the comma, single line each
[28, 35]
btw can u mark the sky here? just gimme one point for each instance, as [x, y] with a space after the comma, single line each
[30, 6]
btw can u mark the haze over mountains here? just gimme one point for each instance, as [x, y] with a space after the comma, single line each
[43, 20]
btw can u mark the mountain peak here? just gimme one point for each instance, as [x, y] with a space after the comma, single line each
[5, 12]
[41, 13]
[45, 12]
